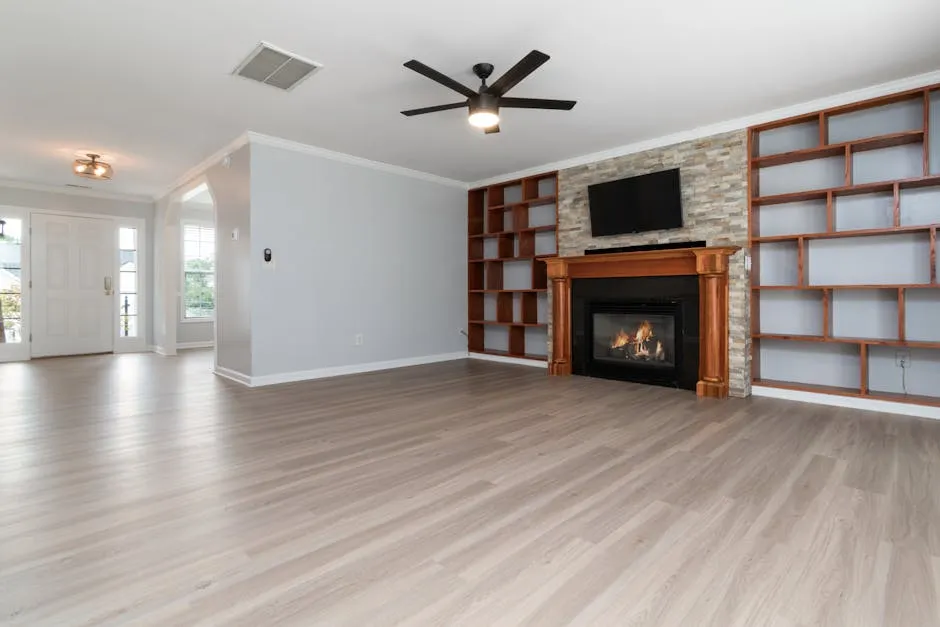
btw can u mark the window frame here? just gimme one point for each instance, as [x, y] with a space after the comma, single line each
[20, 351]
[205, 224]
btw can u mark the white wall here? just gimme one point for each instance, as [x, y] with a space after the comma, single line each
[356, 250]
[51, 201]
[194, 331]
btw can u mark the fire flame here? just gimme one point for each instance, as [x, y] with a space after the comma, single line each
[639, 342]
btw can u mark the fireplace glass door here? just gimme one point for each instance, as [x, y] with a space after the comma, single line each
[636, 339]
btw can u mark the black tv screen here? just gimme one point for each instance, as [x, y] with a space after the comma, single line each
[650, 202]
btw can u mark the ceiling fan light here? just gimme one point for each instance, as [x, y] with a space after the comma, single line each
[483, 119]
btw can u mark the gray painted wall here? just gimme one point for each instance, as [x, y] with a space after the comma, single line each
[51, 201]
[356, 250]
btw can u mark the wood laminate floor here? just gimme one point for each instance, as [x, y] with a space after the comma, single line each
[140, 490]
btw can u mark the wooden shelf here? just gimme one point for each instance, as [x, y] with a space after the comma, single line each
[502, 229]
[845, 340]
[806, 387]
[896, 286]
[509, 324]
[526, 291]
[531, 229]
[850, 190]
[812, 132]
[837, 150]
[856, 233]
[508, 354]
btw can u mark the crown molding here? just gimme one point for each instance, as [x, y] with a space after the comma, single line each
[203, 165]
[736, 124]
[73, 191]
[286, 144]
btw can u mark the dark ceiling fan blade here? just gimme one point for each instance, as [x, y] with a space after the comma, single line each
[492, 129]
[456, 105]
[536, 103]
[436, 76]
[519, 71]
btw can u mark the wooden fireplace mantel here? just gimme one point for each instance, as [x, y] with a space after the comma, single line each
[710, 264]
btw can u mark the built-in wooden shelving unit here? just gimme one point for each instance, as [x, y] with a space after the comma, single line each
[512, 229]
[844, 209]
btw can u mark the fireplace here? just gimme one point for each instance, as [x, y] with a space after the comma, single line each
[635, 336]
[691, 284]
[643, 330]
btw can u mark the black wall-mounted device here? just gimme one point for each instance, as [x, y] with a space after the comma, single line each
[267, 255]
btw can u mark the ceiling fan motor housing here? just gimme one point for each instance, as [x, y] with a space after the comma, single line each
[484, 102]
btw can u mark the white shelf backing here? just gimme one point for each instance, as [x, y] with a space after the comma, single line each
[791, 313]
[507, 220]
[512, 194]
[517, 307]
[920, 206]
[517, 275]
[788, 138]
[934, 145]
[542, 215]
[778, 263]
[871, 314]
[792, 218]
[866, 211]
[542, 305]
[547, 187]
[812, 363]
[545, 243]
[489, 306]
[490, 248]
[922, 315]
[886, 164]
[876, 260]
[802, 176]
[892, 118]
[536, 341]
[496, 337]
[921, 377]
[486, 198]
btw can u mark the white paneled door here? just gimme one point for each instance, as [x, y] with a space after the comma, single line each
[72, 272]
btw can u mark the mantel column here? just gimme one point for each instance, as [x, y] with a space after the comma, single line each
[560, 363]
[713, 309]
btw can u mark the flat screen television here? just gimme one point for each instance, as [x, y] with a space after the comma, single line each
[650, 202]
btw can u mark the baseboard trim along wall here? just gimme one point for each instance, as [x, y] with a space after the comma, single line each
[509, 360]
[185, 345]
[231, 375]
[338, 371]
[866, 404]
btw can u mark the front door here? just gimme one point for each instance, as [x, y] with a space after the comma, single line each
[72, 265]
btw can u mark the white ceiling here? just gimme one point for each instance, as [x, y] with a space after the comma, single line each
[149, 82]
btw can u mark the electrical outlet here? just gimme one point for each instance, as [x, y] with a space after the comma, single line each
[902, 359]
[359, 339]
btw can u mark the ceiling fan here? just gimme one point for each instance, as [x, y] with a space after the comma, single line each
[484, 104]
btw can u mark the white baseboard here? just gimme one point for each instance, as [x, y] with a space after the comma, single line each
[159, 350]
[232, 375]
[865, 404]
[337, 371]
[510, 360]
[204, 344]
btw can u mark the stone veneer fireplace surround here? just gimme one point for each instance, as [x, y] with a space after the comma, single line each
[713, 173]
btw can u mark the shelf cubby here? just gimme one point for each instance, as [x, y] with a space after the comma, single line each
[844, 209]
[511, 228]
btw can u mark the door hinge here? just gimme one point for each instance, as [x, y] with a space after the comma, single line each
[30, 283]
[30, 337]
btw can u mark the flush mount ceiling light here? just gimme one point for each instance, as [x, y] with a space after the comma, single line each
[92, 168]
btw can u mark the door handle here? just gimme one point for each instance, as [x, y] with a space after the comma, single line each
[107, 286]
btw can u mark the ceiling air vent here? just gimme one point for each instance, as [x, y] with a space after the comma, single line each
[277, 68]
[78, 186]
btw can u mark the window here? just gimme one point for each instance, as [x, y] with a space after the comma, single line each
[11, 285]
[198, 272]
[127, 282]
